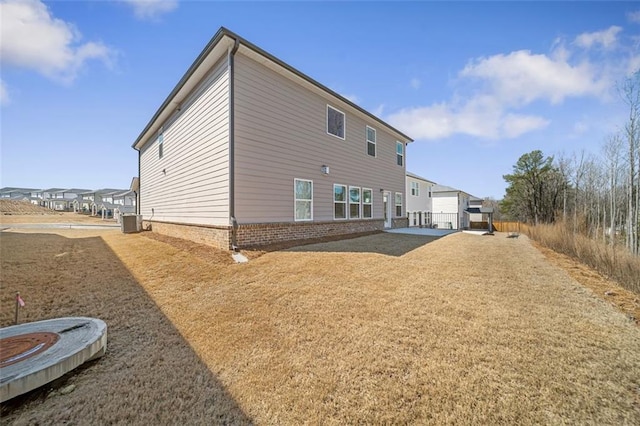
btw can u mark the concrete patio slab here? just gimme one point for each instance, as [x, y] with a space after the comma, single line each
[422, 231]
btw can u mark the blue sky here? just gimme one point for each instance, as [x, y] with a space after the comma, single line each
[475, 84]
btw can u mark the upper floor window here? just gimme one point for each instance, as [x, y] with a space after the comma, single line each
[371, 141]
[160, 144]
[399, 153]
[303, 199]
[335, 122]
[339, 201]
[415, 189]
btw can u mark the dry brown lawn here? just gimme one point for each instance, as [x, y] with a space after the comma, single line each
[380, 329]
[52, 217]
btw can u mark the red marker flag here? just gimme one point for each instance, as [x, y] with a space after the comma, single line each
[19, 300]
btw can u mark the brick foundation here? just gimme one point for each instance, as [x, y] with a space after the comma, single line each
[216, 236]
[260, 234]
[268, 233]
[401, 222]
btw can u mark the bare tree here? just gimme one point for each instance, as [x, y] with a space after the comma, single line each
[565, 168]
[629, 91]
[612, 151]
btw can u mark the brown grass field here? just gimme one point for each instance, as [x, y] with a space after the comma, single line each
[381, 329]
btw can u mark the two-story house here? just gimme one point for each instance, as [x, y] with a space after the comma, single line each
[450, 207]
[246, 150]
[419, 200]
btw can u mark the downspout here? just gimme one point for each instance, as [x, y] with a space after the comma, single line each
[232, 188]
[459, 217]
[139, 186]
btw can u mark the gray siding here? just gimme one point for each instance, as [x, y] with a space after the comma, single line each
[421, 202]
[194, 186]
[280, 134]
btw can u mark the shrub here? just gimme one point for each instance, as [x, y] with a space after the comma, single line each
[615, 262]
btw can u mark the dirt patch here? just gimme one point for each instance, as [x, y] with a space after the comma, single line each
[12, 207]
[464, 329]
[64, 217]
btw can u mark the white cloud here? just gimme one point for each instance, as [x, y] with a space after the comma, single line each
[514, 125]
[415, 83]
[480, 117]
[151, 9]
[4, 94]
[521, 77]
[431, 122]
[32, 38]
[634, 16]
[607, 38]
[492, 94]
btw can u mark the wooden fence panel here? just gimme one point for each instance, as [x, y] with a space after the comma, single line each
[519, 227]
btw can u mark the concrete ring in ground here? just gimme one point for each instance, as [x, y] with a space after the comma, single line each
[37, 353]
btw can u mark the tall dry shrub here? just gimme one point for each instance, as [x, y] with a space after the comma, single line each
[614, 262]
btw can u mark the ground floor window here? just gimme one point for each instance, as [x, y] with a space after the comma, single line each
[339, 201]
[303, 190]
[398, 204]
[367, 203]
[354, 202]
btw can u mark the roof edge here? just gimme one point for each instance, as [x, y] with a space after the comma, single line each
[222, 32]
[194, 66]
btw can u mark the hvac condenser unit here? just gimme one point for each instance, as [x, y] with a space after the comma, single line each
[131, 223]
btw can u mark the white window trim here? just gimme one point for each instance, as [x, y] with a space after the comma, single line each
[367, 204]
[344, 121]
[359, 202]
[345, 202]
[395, 204]
[160, 145]
[374, 142]
[401, 155]
[296, 199]
[415, 187]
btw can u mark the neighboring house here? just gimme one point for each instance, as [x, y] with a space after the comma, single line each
[246, 150]
[124, 197]
[419, 200]
[89, 200]
[479, 217]
[78, 200]
[449, 207]
[111, 203]
[475, 204]
[61, 199]
[52, 198]
[32, 195]
[104, 208]
[9, 192]
[20, 197]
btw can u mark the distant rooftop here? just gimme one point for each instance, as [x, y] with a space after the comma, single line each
[415, 176]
